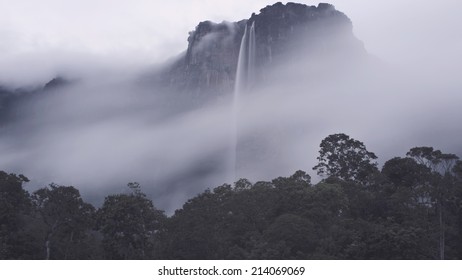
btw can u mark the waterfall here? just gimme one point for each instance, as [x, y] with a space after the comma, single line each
[245, 73]
[251, 57]
[246, 62]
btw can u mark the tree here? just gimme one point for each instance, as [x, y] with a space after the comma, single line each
[289, 237]
[201, 229]
[406, 172]
[388, 240]
[346, 158]
[457, 206]
[299, 178]
[67, 220]
[433, 159]
[242, 184]
[13, 198]
[14, 205]
[406, 194]
[457, 170]
[129, 223]
[410, 179]
[443, 182]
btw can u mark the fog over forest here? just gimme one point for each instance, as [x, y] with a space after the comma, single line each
[111, 125]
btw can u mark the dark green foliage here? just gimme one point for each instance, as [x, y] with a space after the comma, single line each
[232, 222]
[289, 237]
[434, 159]
[298, 179]
[346, 158]
[386, 239]
[15, 205]
[66, 223]
[406, 172]
[13, 198]
[457, 170]
[128, 223]
[411, 209]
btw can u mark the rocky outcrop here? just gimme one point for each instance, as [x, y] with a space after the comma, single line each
[208, 67]
[56, 83]
[300, 29]
[11, 99]
[209, 63]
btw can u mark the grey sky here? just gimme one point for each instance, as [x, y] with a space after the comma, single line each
[39, 38]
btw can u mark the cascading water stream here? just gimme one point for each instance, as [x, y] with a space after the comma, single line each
[244, 77]
[251, 57]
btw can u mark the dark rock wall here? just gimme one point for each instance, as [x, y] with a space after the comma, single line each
[210, 60]
[208, 67]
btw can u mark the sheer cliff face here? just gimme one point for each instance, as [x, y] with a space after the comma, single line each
[210, 60]
[282, 32]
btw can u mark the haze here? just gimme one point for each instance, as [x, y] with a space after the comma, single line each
[105, 131]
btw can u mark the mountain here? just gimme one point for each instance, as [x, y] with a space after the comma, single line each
[83, 126]
[208, 67]
[56, 83]
[295, 47]
[11, 99]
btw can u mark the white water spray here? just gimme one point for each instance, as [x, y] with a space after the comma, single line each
[244, 77]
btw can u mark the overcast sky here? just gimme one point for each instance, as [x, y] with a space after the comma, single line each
[40, 38]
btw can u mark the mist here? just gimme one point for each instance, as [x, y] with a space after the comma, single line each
[108, 127]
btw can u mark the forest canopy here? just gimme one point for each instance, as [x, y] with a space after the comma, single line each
[411, 208]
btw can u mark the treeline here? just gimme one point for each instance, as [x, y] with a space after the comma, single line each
[410, 209]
